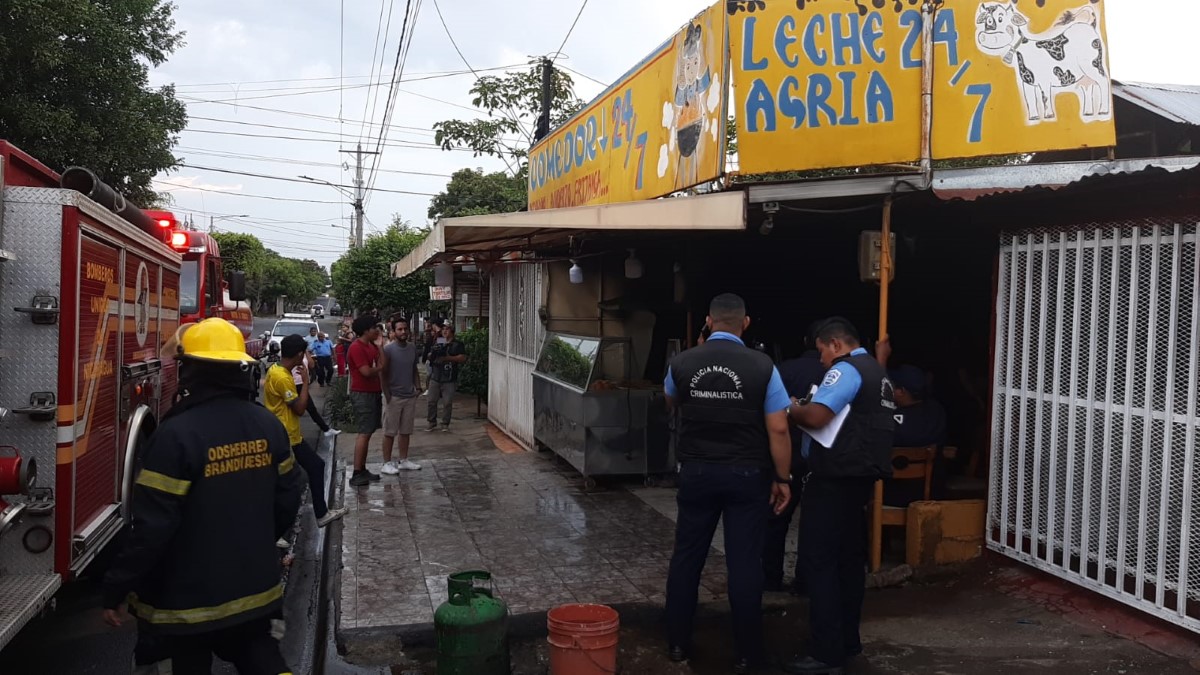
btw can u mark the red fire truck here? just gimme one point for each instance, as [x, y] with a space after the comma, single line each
[203, 290]
[90, 290]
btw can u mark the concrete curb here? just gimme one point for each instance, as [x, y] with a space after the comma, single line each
[331, 645]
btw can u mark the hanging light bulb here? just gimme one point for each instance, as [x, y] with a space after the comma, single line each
[443, 274]
[633, 266]
[576, 273]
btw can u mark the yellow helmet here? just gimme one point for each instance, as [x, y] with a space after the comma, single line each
[212, 340]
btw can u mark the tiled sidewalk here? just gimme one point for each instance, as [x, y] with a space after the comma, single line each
[523, 516]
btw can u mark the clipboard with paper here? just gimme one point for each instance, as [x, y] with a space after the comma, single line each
[827, 434]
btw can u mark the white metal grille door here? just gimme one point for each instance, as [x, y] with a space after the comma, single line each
[516, 336]
[1094, 424]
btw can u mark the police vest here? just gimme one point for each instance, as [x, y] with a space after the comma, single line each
[863, 448]
[722, 388]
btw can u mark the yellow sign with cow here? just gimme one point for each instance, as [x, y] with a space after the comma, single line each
[1021, 77]
[825, 84]
[838, 83]
[658, 130]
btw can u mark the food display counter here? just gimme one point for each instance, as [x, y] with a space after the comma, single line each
[590, 412]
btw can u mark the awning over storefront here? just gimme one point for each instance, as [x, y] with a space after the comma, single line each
[975, 182]
[527, 230]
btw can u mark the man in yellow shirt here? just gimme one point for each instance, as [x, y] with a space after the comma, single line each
[282, 399]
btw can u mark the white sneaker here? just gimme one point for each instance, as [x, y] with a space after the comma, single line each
[330, 516]
[282, 543]
[389, 468]
[409, 465]
[332, 432]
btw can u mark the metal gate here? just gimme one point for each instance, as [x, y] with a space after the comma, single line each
[1094, 421]
[516, 335]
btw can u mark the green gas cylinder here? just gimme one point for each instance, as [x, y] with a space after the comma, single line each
[472, 627]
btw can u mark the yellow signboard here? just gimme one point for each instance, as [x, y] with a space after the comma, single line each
[658, 130]
[1014, 78]
[825, 84]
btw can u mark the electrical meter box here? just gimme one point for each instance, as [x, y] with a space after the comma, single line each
[870, 256]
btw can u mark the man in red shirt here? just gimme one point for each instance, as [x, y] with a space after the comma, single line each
[366, 393]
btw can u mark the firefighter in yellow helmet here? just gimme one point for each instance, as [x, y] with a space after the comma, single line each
[217, 487]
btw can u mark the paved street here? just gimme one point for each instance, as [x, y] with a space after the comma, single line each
[523, 516]
[482, 502]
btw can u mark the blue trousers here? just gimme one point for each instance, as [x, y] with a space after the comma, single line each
[833, 527]
[708, 492]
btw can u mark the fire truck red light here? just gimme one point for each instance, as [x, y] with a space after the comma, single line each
[179, 239]
[164, 223]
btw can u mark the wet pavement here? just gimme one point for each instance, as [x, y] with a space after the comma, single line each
[523, 516]
[482, 502]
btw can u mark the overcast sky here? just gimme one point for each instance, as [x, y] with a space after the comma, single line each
[288, 56]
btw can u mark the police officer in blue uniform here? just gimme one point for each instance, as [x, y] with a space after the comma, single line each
[833, 508]
[734, 457]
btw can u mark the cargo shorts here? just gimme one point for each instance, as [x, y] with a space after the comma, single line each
[368, 411]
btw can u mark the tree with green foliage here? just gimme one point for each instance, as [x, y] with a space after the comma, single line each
[243, 252]
[76, 90]
[299, 280]
[513, 102]
[474, 376]
[471, 192]
[362, 278]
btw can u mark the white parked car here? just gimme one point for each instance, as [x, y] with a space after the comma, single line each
[290, 324]
[318, 311]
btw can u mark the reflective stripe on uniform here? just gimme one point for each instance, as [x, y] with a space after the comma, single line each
[287, 464]
[207, 614]
[163, 482]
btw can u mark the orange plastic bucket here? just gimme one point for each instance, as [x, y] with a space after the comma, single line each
[583, 639]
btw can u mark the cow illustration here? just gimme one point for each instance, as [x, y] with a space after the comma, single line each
[1068, 57]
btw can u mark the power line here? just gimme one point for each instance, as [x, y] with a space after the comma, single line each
[257, 219]
[295, 161]
[241, 194]
[386, 32]
[396, 144]
[374, 56]
[512, 114]
[233, 102]
[283, 244]
[424, 75]
[586, 77]
[297, 180]
[286, 128]
[397, 73]
[570, 30]
[285, 230]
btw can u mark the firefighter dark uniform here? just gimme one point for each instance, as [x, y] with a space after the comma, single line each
[832, 514]
[723, 392]
[217, 486]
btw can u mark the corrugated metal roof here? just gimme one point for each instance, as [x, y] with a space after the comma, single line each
[973, 183]
[1178, 103]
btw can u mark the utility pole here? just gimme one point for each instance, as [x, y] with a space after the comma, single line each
[359, 192]
[543, 123]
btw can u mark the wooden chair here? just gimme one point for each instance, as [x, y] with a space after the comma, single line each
[907, 464]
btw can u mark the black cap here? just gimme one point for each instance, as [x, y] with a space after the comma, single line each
[909, 378]
[292, 345]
